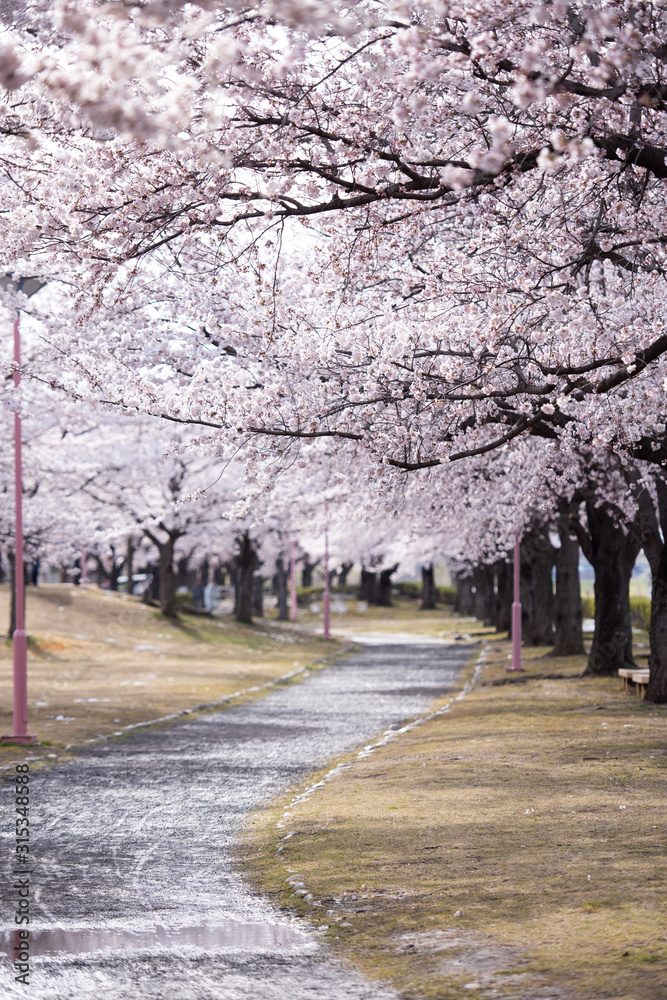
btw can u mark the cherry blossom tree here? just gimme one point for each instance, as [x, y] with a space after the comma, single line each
[420, 232]
[133, 480]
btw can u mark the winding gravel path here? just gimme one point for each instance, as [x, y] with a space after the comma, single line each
[133, 893]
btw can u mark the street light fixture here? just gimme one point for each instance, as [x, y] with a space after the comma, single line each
[29, 286]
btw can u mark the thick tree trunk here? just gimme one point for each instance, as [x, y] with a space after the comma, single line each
[656, 691]
[258, 595]
[537, 597]
[428, 588]
[114, 572]
[342, 573]
[102, 573]
[569, 638]
[129, 563]
[246, 564]
[384, 586]
[656, 552]
[282, 576]
[307, 572]
[504, 585]
[483, 581]
[613, 552]
[368, 586]
[465, 599]
[167, 579]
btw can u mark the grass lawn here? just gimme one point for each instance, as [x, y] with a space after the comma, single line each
[99, 661]
[510, 848]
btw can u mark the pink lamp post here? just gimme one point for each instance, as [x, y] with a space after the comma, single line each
[327, 593]
[516, 607]
[292, 582]
[20, 639]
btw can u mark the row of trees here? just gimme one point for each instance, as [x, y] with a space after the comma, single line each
[407, 253]
[125, 495]
[121, 489]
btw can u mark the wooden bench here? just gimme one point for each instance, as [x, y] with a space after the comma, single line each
[634, 679]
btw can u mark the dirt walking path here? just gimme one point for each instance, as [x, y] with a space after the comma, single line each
[132, 890]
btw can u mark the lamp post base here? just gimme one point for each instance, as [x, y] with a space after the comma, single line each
[20, 721]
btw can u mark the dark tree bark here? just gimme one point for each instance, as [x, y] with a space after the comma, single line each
[109, 572]
[152, 590]
[656, 553]
[343, 572]
[368, 585]
[129, 563]
[258, 595]
[612, 552]
[656, 691]
[384, 586]
[428, 588]
[483, 582]
[115, 567]
[167, 578]
[568, 618]
[537, 598]
[307, 571]
[281, 578]
[465, 598]
[504, 595]
[246, 564]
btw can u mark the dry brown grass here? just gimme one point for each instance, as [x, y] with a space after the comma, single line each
[88, 675]
[513, 847]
